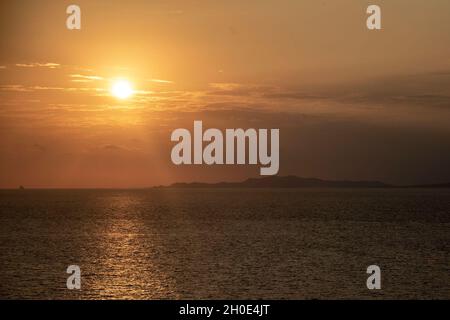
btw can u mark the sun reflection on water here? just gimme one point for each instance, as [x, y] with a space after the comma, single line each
[127, 254]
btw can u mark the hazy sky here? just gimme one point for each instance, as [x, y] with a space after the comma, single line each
[350, 103]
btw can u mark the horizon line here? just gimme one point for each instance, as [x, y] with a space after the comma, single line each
[387, 185]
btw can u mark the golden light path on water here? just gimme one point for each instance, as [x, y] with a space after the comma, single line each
[128, 252]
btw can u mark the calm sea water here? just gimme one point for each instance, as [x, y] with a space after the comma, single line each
[220, 244]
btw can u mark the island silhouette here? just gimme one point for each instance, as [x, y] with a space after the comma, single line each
[297, 182]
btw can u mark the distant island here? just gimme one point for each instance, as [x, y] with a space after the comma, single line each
[439, 185]
[284, 182]
[297, 182]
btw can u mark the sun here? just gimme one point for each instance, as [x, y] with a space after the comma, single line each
[122, 89]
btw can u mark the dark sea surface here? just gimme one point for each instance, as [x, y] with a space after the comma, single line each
[225, 244]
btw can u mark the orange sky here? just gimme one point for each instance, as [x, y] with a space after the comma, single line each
[350, 103]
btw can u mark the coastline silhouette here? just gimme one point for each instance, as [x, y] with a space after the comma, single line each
[298, 182]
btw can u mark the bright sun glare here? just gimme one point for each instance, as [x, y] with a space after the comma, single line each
[122, 89]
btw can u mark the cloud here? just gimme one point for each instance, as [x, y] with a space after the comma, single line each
[161, 81]
[238, 89]
[113, 147]
[39, 147]
[427, 100]
[84, 78]
[14, 88]
[295, 96]
[22, 88]
[225, 86]
[439, 73]
[424, 90]
[49, 65]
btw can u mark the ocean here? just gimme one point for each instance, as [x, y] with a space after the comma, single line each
[225, 243]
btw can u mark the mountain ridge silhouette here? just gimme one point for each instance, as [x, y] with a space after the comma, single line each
[284, 182]
[292, 181]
